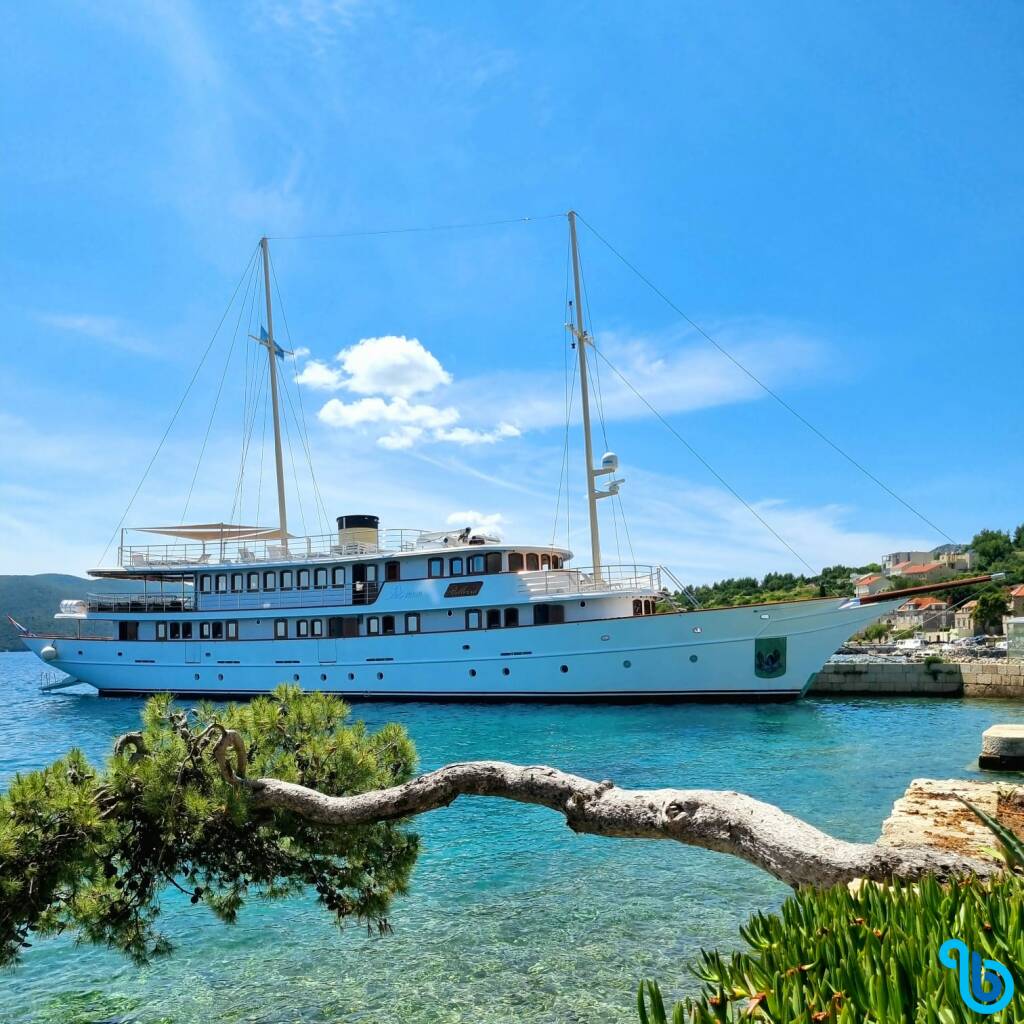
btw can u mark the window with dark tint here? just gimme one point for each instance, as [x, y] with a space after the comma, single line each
[347, 626]
[638, 606]
[252, 581]
[476, 564]
[473, 619]
[218, 630]
[303, 579]
[532, 562]
[320, 579]
[392, 571]
[387, 625]
[186, 631]
[127, 631]
[511, 616]
[493, 618]
[280, 629]
[547, 614]
[493, 562]
[556, 562]
[435, 567]
[231, 630]
[175, 633]
[412, 622]
[236, 582]
[338, 576]
[454, 566]
[545, 561]
[270, 581]
[515, 561]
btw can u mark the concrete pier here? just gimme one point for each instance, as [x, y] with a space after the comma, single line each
[996, 679]
[1002, 748]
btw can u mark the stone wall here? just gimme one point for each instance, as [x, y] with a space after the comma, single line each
[1000, 679]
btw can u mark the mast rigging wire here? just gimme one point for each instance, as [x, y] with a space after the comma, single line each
[761, 384]
[418, 230]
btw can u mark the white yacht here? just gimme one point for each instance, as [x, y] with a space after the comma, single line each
[226, 609]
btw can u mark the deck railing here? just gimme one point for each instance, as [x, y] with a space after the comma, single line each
[195, 554]
[633, 579]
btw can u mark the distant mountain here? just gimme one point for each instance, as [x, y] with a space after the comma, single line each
[33, 601]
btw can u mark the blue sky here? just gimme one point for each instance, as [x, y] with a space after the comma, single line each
[832, 191]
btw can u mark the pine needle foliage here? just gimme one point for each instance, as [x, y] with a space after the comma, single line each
[90, 850]
[836, 957]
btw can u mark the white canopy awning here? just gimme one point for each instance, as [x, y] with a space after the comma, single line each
[216, 532]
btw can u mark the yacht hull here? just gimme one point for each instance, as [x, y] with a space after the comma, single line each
[759, 653]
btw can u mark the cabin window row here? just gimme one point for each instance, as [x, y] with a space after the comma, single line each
[282, 579]
[478, 565]
[207, 630]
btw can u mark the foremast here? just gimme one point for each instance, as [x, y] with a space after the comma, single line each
[273, 352]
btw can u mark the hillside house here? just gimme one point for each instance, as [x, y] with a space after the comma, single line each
[873, 583]
[926, 613]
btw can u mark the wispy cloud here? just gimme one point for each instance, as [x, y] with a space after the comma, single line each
[107, 330]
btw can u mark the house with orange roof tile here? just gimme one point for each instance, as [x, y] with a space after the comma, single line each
[873, 583]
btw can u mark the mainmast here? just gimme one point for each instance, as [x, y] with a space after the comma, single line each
[609, 462]
[272, 350]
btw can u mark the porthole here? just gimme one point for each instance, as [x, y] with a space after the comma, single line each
[351, 675]
[197, 677]
[323, 677]
[605, 636]
[627, 664]
[765, 616]
[296, 677]
[698, 629]
[220, 677]
[564, 668]
[79, 652]
[450, 613]
[583, 604]
[465, 647]
[506, 671]
[380, 675]
[693, 657]
[472, 672]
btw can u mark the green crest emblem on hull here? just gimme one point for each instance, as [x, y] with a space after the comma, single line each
[770, 657]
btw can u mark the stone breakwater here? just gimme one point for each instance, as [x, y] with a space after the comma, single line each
[996, 679]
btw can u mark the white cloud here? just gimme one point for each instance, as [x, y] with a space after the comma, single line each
[464, 435]
[337, 413]
[107, 329]
[392, 365]
[403, 437]
[490, 523]
[319, 376]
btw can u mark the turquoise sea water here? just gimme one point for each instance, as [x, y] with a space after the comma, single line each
[511, 918]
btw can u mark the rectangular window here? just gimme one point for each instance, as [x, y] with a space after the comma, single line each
[175, 633]
[387, 625]
[252, 581]
[515, 561]
[302, 627]
[316, 627]
[303, 579]
[218, 630]
[287, 579]
[127, 631]
[338, 576]
[372, 626]
[494, 618]
[371, 574]
[545, 561]
[186, 631]
[392, 571]
[435, 567]
[532, 562]
[320, 579]
[204, 631]
[454, 566]
[236, 582]
[270, 581]
[548, 614]
[161, 631]
[493, 562]
[347, 626]
[280, 629]
[477, 564]
[473, 619]
[205, 583]
[511, 617]
[222, 583]
[412, 622]
[231, 630]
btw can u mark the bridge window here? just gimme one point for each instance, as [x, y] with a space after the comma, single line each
[338, 576]
[476, 564]
[316, 627]
[494, 618]
[175, 632]
[548, 614]
[392, 571]
[186, 631]
[532, 562]
[320, 579]
[236, 582]
[222, 583]
[556, 562]
[287, 579]
[412, 621]
[205, 583]
[545, 561]
[435, 567]
[218, 630]
[303, 579]
[473, 618]
[515, 561]
[161, 631]
[302, 627]
[280, 629]
[387, 625]
[455, 567]
[270, 581]
[511, 616]
[493, 561]
[252, 581]
[231, 630]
